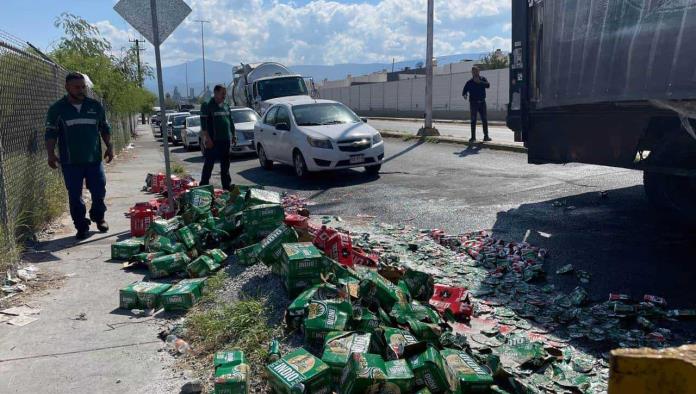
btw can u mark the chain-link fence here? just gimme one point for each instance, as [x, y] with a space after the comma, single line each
[30, 192]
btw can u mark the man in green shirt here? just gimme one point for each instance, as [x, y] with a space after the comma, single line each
[75, 123]
[217, 130]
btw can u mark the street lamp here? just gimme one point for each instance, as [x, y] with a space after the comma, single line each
[203, 52]
[428, 129]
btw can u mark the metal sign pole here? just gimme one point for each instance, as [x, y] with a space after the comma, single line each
[160, 88]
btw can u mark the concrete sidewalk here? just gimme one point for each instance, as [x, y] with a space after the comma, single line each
[111, 351]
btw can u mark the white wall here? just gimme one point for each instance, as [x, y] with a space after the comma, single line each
[409, 94]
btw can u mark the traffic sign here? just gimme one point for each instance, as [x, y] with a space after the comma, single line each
[170, 13]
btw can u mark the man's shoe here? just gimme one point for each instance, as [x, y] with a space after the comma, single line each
[472, 140]
[82, 234]
[487, 139]
[103, 226]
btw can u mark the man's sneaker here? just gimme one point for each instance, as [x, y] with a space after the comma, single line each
[472, 140]
[487, 139]
[103, 226]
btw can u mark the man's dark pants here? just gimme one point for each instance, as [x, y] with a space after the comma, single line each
[478, 107]
[220, 152]
[74, 176]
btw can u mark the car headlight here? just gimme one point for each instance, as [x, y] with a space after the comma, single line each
[317, 143]
[377, 138]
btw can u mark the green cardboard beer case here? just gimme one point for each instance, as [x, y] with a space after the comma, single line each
[202, 266]
[375, 287]
[183, 295]
[299, 372]
[187, 236]
[168, 265]
[166, 227]
[260, 197]
[217, 255]
[340, 345]
[263, 215]
[324, 317]
[368, 373]
[271, 247]
[142, 295]
[301, 260]
[295, 286]
[248, 256]
[231, 372]
[401, 344]
[464, 374]
[124, 250]
[429, 370]
[296, 310]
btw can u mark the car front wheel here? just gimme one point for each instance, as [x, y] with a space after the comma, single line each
[299, 164]
[263, 160]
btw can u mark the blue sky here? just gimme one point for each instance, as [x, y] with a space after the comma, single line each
[293, 32]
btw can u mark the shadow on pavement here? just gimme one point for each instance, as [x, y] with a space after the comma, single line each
[403, 152]
[619, 239]
[470, 150]
[45, 249]
[283, 176]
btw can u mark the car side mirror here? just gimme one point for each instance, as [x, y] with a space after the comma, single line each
[364, 120]
[282, 126]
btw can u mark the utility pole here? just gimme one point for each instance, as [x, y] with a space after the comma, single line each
[140, 72]
[428, 128]
[205, 87]
[188, 92]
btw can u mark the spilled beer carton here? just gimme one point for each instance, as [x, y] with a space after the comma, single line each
[295, 312]
[369, 373]
[231, 373]
[340, 345]
[270, 248]
[299, 372]
[464, 374]
[142, 295]
[324, 317]
[429, 370]
[183, 295]
[124, 250]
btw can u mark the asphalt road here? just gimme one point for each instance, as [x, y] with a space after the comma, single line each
[617, 238]
[460, 130]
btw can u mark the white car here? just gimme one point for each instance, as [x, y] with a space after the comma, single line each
[244, 120]
[317, 135]
[191, 132]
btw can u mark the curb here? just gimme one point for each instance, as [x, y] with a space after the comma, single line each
[458, 141]
[452, 121]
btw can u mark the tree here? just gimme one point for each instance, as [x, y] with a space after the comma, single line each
[494, 60]
[83, 49]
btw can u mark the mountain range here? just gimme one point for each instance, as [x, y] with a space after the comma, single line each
[221, 72]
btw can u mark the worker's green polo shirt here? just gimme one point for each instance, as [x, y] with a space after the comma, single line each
[216, 119]
[77, 132]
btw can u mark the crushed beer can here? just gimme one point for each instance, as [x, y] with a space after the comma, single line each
[183, 295]
[142, 295]
[299, 372]
[619, 297]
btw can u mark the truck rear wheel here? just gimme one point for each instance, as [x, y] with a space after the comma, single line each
[674, 194]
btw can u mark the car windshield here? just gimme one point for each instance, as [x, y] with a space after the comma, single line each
[323, 114]
[282, 87]
[194, 122]
[244, 116]
[179, 120]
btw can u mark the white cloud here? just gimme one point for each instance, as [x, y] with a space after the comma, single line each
[330, 32]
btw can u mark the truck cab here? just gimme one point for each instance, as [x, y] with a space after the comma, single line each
[255, 84]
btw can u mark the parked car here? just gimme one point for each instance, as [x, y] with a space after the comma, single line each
[177, 128]
[155, 123]
[190, 135]
[317, 135]
[244, 119]
[169, 124]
